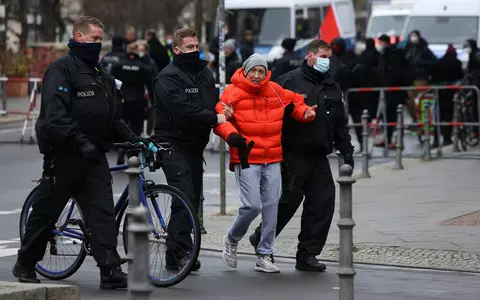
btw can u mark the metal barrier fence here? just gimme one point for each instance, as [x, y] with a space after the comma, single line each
[382, 112]
[31, 112]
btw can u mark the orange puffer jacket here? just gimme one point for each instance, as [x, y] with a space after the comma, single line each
[258, 116]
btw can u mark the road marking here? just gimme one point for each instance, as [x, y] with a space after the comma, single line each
[5, 250]
[13, 130]
[215, 175]
[216, 192]
[10, 212]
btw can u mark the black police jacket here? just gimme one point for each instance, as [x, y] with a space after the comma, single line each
[289, 61]
[112, 58]
[185, 99]
[135, 75]
[78, 102]
[329, 129]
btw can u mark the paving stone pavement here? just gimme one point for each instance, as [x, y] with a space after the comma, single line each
[398, 216]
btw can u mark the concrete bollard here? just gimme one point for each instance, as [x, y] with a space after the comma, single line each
[346, 272]
[426, 127]
[456, 117]
[4, 95]
[399, 146]
[138, 230]
[139, 287]
[200, 211]
[340, 160]
[365, 134]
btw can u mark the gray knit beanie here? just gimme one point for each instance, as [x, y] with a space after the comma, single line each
[253, 61]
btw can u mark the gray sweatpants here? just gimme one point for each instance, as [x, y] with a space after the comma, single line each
[259, 188]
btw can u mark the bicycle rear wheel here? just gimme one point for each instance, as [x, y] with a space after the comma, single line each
[177, 260]
[66, 240]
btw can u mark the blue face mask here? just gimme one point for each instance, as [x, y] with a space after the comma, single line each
[322, 64]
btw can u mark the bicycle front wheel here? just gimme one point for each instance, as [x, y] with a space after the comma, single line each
[174, 243]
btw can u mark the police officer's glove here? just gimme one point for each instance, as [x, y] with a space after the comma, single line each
[237, 141]
[348, 159]
[89, 151]
[243, 155]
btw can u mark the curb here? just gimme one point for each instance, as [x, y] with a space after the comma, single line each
[30, 291]
[466, 271]
[11, 119]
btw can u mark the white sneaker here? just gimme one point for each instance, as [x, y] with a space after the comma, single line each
[265, 264]
[229, 254]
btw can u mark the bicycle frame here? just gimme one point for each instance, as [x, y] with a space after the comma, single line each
[75, 234]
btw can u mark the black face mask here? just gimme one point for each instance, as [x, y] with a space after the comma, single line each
[190, 58]
[88, 52]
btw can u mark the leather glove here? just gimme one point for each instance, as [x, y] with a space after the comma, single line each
[243, 155]
[237, 141]
[89, 151]
[348, 159]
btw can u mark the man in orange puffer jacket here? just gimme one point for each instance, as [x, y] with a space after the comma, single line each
[256, 108]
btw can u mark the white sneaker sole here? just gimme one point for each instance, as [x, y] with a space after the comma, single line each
[261, 269]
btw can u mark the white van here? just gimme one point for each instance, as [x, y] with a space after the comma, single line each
[443, 22]
[273, 20]
[388, 17]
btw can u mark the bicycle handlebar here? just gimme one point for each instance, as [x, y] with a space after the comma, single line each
[152, 147]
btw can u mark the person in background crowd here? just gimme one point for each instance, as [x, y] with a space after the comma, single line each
[246, 45]
[473, 69]
[421, 61]
[342, 63]
[305, 169]
[289, 61]
[258, 105]
[143, 54]
[130, 37]
[185, 98]
[115, 56]
[392, 69]
[157, 51]
[447, 70]
[232, 62]
[135, 77]
[365, 74]
[213, 49]
[167, 43]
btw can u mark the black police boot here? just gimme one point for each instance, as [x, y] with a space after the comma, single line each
[173, 265]
[254, 241]
[112, 278]
[310, 263]
[24, 273]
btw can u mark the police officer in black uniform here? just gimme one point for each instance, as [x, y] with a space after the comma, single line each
[306, 170]
[79, 119]
[185, 99]
[289, 61]
[135, 76]
[115, 56]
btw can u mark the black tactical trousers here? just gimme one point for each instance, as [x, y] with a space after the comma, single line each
[91, 185]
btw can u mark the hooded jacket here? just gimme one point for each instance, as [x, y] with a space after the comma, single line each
[258, 116]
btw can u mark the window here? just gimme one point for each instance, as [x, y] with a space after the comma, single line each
[346, 17]
[444, 30]
[270, 26]
[390, 25]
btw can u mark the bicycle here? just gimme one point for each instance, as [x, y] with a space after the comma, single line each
[464, 106]
[70, 228]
